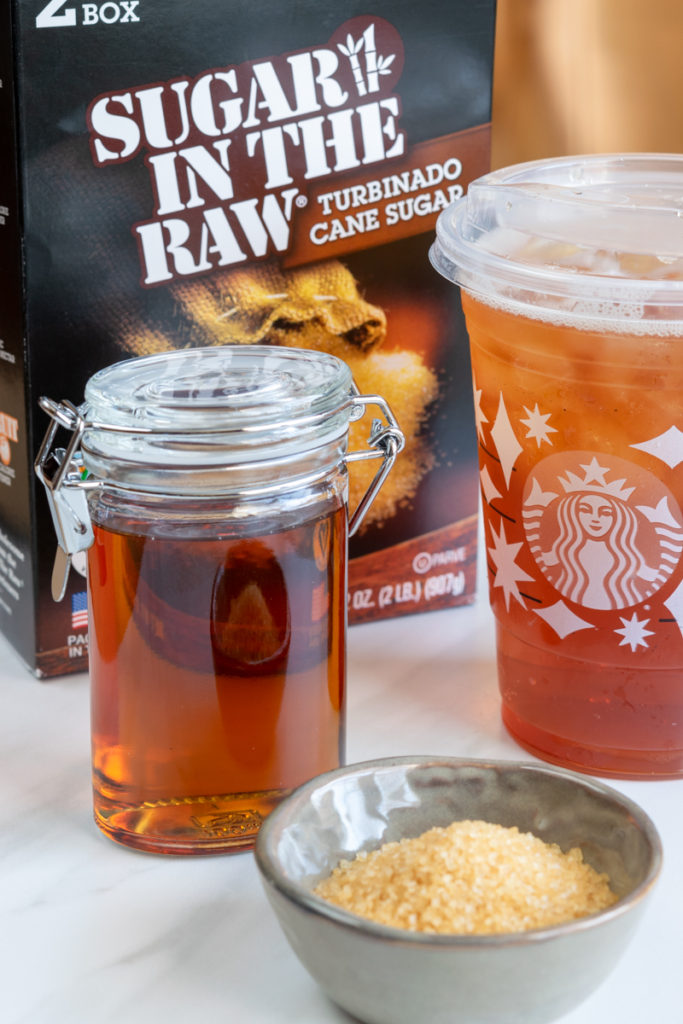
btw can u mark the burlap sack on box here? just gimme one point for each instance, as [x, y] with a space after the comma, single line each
[317, 306]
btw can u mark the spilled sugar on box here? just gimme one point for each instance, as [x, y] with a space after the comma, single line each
[175, 175]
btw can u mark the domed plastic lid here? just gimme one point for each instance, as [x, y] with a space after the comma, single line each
[213, 407]
[594, 237]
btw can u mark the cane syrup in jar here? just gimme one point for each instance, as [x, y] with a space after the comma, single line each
[211, 489]
[218, 670]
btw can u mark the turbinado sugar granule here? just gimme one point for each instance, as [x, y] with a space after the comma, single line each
[472, 878]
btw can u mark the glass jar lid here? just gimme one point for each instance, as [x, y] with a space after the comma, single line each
[221, 407]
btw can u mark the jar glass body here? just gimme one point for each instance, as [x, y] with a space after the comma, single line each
[217, 657]
[210, 490]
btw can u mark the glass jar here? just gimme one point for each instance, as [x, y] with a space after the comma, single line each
[209, 488]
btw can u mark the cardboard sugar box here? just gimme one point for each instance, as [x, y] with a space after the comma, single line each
[176, 175]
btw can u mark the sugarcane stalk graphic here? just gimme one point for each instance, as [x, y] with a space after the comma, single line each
[375, 65]
[351, 50]
[371, 58]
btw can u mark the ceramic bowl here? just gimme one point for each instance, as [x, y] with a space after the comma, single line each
[386, 975]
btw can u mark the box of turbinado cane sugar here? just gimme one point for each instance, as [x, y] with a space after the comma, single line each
[176, 175]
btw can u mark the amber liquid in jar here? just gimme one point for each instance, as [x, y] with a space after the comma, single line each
[218, 673]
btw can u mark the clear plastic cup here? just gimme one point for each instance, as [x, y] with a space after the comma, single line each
[572, 287]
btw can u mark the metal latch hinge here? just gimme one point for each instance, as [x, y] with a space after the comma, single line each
[386, 440]
[62, 473]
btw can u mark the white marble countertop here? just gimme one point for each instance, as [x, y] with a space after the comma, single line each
[93, 933]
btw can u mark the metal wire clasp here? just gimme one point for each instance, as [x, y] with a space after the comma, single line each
[63, 475]
[386, 440]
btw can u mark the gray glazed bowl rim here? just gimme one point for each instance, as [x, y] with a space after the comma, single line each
[307, 901]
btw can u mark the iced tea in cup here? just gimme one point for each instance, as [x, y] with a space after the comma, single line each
[572, 287]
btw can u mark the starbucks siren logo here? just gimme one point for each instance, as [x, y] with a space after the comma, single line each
[604, 532]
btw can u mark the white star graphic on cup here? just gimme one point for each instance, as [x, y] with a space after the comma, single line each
[488, 487]
[480, 416]
[562, 619]
[508, 573]
[538, 425]
[667, 446]
[634, 632]
[594, 472]
[508, 447]
[675, 605]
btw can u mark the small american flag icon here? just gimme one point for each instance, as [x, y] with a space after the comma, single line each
[79, 611]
